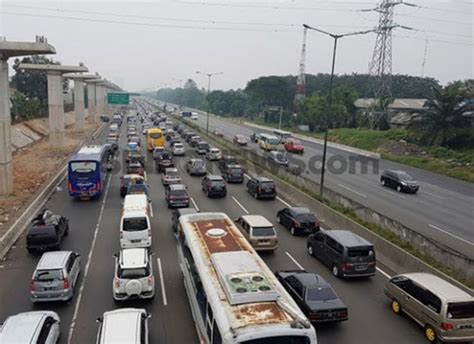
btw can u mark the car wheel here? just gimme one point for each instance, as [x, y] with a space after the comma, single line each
[310, 250]
[255, 195]
[293, 230]
[396, 308]
[382, 182]
[399, 188]
[335, 270]
[430, 334]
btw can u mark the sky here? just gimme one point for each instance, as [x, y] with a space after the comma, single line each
[146, 45]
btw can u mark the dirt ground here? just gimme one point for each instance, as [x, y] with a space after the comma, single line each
[32, 167]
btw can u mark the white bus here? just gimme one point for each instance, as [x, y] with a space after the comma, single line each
[234, 296]
[282, 135]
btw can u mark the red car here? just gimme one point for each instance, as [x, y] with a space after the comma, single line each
[241, 140]
[294, 146]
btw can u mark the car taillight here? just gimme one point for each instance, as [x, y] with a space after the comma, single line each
[69, 186]
[97, 185]
[346, 266]
[342, 314]
[150, 281]
[32, 285]
[116, 283]
[66, 283]
[446, 326]
[296, 223]
[172, 197]
[121, 235]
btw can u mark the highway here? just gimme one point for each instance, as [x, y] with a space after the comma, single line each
[441, 210]
[94, 234]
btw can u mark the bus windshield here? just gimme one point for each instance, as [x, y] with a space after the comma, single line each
[155, 135]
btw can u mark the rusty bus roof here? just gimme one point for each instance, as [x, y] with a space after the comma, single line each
[202, 235]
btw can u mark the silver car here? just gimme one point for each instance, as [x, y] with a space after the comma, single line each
[196, 167]
[55, 276]
[213, 154]
[178, 149]
[133, 275]
[171, 176]
[31, 327]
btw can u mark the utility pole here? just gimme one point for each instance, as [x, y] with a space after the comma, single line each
[209, 75]
[300, 79]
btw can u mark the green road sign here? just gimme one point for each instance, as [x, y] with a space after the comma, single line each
[118, 98]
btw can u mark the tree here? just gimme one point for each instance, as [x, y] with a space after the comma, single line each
[24, 108]
[313, 112]
[271, 91]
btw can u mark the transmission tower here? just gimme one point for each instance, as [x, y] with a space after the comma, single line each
[300, 79]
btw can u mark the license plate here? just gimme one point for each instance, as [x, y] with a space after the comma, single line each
[134, 241]
[361, 267]
[48, 288]
[463, 327]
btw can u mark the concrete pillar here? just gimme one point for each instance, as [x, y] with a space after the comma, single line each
[92, 107]
[79, 104]
[6, 168]
[101, 99]
[56, 109]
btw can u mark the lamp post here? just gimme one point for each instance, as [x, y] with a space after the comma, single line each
[336, 37]
[209, 75]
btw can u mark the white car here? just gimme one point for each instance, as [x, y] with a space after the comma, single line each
[31, 327]
[133, 277]
[178, 149]
[170, 176]
[125, 325]
[214, 154]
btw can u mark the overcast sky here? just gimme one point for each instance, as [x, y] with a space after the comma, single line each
[154, 43]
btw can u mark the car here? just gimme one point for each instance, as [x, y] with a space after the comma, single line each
[240, 140]
[213, 154]
[31, 327]
[132, 132]
[184, 133]
[145, 127]
[344, 252]
[233, 174]
[293, 146]
[194, 116]
[177, 214]
[164, 161]
[113, 140]
[213, 185]
[202, 147]
[170, 176]
[128, 179]
[178, 149]
[133, 276]
[218, 132]
[157, 152]
[193, 140]
[314, 296]
[135, 139]
[278, 158]
[259, 232]
[105, 118]
[298, 220]
[399, 180]
[255, 137]
[261, 187]
[177, 196]
[125, 325]
[227, 160]
[55, 277]
[196, 167]
[135, 156]
[114, 128]
[169, 123]
[445, 311]
[47, 231]
[169, 133]
[134, 167]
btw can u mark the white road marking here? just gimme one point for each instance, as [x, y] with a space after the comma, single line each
[352, 190]
[383, 272]
[145, 176]
[451, 234]
[247, 176]
[89, 258]
[432, 194]
[162, 282]
[294, 261]
[240, 205]
[283, 201]
[195, 204]
[151, 209]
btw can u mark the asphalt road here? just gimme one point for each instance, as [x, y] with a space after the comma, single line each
[441, 210]
[94, 234]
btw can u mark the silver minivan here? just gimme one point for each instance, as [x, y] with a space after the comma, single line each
[259, 232]
[31, 327]
[55, 276]
[125, 325]
[445, 311]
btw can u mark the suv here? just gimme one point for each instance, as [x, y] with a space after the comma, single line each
[196, 167]
[259, 232]
[278, 158]
[177, 214]
[298, 219]
[399, 180]
[213, 185]
[31, 327]
[445, 311]
[125, 325]
[46, 232]
[202, 147]
[177, 196]
[346, 253]
[164, 161]
[135, 167]
[227, 160]
[55, 276]
[261, 187]
[178, 149]
[170, 176]
[233, 173]
[133, 277]
[213, 154]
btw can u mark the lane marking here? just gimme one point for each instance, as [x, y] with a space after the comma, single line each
[240, 205]
[393, 193]
[195, 204]
[383, 272]
[294, 261]
[247, 176]
[352, 190]
[145, 175]
[432, 194]
[89, 259]
[451, 234]
[162, 282]
[151, 209]
[283, 201]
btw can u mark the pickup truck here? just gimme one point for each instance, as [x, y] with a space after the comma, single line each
[46, 232]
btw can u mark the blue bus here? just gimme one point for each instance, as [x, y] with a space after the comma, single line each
[87, 171]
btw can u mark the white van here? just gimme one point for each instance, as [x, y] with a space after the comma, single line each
[135, 228]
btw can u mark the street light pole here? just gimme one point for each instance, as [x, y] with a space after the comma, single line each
[326, 124]
[209, 75]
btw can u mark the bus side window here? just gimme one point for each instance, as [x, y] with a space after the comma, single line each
[216, 335]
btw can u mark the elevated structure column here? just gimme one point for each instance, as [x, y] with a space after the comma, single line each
[6, 168]
[91, 103]
[79, 111]
[56, 109]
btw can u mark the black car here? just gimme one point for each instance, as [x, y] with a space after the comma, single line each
[177, 196]
[261, 187]
[177, 214]
[46, 232]
[399, 180]
[233, 173]
[344, 252]
[315, 297]
[202, 147]
[213, 185]
[194, 140]
[227, 160]
[298, 220]
[164, 161]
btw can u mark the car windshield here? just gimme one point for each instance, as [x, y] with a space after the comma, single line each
[132, 224]
[281, 156]
[360, 252]
[179, 193]
[273, 141]
[236, 171]
[203, 146]
[320, 294]
[133, 273]
[279, 340]
[461, 310]
[406, 177]
[306, 217]
[198, 163]
[172, 173]
[217, 182]
[263, 231]
[178, 145]
[49, 275]
[267, 185]
[155, 135]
